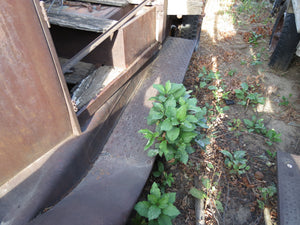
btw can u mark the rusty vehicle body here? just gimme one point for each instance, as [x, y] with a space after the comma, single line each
[51, 136]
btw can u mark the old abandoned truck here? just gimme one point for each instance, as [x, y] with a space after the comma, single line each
[285, 38]
[73, 97]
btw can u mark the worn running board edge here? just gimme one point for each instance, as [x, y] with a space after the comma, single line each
[109, 191]
[288, 169]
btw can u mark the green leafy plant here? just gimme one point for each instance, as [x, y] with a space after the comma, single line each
[243, 62]
[204, 194]
[254, 38]
[273, 137]
[236, 162]
[159, 208]
[206, 77]
[234, 124]
[232, 72]
[167, 179]
[265, 194]
[256, 59]
[285, 100]
[258, 127]
[247, 97]
[178, 122]
[271, 154]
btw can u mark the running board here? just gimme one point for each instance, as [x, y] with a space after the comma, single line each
[288, 166]
[110, 190]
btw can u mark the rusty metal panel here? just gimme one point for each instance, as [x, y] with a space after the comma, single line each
[34, 115]
[138, 35]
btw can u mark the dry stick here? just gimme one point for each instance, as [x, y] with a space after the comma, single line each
[267, 216]
[199, 206]
[227, 199]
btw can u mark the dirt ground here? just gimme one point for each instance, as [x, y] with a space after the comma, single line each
[234, 42]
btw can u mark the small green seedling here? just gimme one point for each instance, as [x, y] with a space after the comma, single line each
[256, 60]
[232, 72]
[167, 179]
[247, 97]
[271, 154]
[255, 125]
[243, 62]
[285, 101]
[204, 194]
[236, 162]
[273, 137]
[207, 77]
[159, 208]
[254, 38]
[234, 125]
[266, 193]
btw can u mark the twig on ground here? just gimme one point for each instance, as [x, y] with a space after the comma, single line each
[267, 216]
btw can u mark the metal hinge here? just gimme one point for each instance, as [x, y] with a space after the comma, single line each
[42, 4]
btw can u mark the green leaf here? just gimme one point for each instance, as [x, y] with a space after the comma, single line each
[152, 152]
[228, 154]
[170, 112]
[150, 136]
[188, 136]
[171, 102]
[166, 125]
[191, 118]
[160, 88]
[162, 98]
[206, 183]
[202, 124]
[171, 210]
[152, 199]
[202, 84]
[187, 126]
[197, 193]
[155, 190]
[175, 87]
[164, 220]
[184, 157]
[142, 208]
[161, 167]
[244, 86]
[249, 123]
[163, 202]
[210, 165]
[172, 197]
[212, 87]
[164, 147]
[156, 173]
[173, 133]
[239, 154]
[168, 86]
[219, 205]
[153, 212]
[154, 116]
[158, 106]
[181, 113]
[180, 92]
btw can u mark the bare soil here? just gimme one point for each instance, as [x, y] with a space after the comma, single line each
[224, 47]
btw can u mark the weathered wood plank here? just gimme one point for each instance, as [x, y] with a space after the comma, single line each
[90, 87]
[185, 7]
[108, 2]
[89, 22]
[80, 71]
